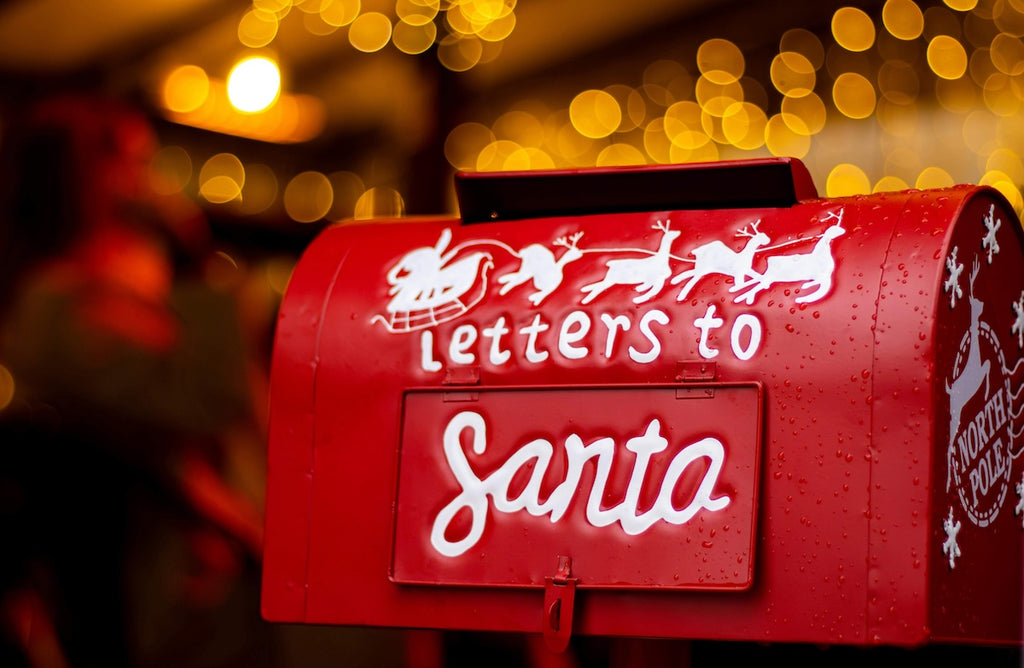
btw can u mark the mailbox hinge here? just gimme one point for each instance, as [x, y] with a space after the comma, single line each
[464, 376]
[696, 371]
[559, 597]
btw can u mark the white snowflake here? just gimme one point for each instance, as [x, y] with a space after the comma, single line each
[1019, 510]
[1018, 323]
[952, 284]
[992, 225]
[950, 548]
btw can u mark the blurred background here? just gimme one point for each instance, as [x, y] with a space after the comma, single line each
[165, 162]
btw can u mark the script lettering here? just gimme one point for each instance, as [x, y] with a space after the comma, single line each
[478, 494]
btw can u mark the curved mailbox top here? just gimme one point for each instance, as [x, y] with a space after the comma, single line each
[781, 418]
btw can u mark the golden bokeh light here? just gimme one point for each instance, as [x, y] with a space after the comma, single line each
[254, 84]
[495, 156]
[980, 133]
[460, 53]
[792, 74]
[308, 197]
[340, 13]
[521, 127]
[414, 38]
[744, 126]
[720, 61]
[257, 28]
[933, 177]
[1007, 54]
[890, 184]
[847, 180]
[667, 81]
[806, 43]
[465, 143]
[715, 98]
[961, 5]
[185, 89]
[1001, 95]
[782, 141]
[947, 57]
[853, 29]
[527, 158]
[853, 95]
[706, 153]
[804, 115]
[620, 155]
[417, 12]
[1008, 16]
[683, 125]
[595, 113]
[903, 19]
[379, 202]
[632, 104]
[1007, 163]
[221, 178]
[370, 32]
[656, 141]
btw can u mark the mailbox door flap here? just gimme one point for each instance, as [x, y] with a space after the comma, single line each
[640, 487]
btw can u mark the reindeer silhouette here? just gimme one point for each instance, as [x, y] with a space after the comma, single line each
[717, 258]
[814, 269]
[647, 273]
[538, 264]
[969, 380]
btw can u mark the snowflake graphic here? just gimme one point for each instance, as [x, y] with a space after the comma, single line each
[1018, 323]
[952, 284]
[992, 225]
[949, 547]
[1019, 510]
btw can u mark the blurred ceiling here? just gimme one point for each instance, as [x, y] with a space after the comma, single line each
[127, 44]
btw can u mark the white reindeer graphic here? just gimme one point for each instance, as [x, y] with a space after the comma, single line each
[814, 269]
[648, 273]
[969, 380]
[538, 264]
[716, 258]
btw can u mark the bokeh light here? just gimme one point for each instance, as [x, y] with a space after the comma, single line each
[853, 29]
[254, 84]
[846, 180]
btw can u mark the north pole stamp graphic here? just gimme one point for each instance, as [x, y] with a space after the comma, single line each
[984, 385]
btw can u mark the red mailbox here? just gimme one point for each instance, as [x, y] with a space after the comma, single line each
[691, 401]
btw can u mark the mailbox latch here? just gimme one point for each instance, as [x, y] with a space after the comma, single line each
[559, 597]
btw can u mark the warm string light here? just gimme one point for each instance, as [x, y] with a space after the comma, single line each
[947, 83]
[253, 188]
[926, 87]
[466, 32]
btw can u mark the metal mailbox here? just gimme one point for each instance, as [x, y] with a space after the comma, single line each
[690, 401]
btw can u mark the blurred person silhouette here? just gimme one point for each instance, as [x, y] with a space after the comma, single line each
[131, 449]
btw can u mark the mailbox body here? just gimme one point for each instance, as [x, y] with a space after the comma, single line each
[771, 421]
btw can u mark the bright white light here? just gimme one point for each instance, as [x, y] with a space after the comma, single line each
[254, 84]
